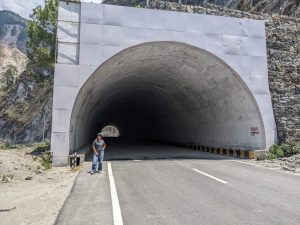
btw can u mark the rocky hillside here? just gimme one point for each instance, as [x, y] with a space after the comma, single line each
[12, 60]
[12, 30]
[286, 7]
[13, 39]
[24, 102]
[25, 106]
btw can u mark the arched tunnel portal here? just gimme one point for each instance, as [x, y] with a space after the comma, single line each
[168, 92]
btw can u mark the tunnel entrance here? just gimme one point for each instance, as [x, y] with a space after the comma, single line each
[168, 92]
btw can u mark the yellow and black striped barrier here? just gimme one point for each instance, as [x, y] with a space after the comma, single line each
[236, 153]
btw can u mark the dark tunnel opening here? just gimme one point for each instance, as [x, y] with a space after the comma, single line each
[167, 92]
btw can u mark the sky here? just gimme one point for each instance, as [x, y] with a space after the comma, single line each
[21, 7]
[24, 7]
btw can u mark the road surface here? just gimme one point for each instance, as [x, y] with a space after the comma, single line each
[175, 186]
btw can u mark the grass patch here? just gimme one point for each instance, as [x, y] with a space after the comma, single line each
[10, 146]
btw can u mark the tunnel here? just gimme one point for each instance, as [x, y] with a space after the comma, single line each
[167, 92]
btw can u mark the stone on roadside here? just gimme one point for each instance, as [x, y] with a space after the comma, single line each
[28, 178]
[38, 172]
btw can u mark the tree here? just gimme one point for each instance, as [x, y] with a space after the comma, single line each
[41, 31]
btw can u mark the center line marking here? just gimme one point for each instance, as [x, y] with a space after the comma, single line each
[114, 198]
[210, 176]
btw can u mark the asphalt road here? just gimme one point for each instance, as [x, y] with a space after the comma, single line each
[181, 187]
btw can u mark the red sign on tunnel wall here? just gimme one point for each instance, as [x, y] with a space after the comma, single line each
[254, 130]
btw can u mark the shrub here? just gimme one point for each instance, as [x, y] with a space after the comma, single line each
[43, 146]
[283, 150]
[277, 150]
[271, 156]
[46, 160]
[291, 148]
[40, 148]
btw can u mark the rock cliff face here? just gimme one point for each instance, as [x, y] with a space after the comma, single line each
[25, 109]
[11, 57]
[283, 46]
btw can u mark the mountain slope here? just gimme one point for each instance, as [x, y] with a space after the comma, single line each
[25, 102]
[13, 30]
[11, 57]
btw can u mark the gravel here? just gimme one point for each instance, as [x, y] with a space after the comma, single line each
[288, 163]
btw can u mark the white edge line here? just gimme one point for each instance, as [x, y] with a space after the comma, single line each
[210, 176]
[117, 215]
[268, 168]
[248, 163]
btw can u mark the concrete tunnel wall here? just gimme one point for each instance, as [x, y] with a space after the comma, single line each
[169, 92]
[195, 79]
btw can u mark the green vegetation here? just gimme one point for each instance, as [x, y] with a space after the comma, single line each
[43, 148]
[46, 160]
[7, 146]
[41, 31]
[283, 150]
[40, 152]
[291, 148]
[277, 151]
[8, 76]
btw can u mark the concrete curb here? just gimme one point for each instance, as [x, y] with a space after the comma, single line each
[236, 153]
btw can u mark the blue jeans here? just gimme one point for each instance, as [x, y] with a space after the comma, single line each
[97, 161]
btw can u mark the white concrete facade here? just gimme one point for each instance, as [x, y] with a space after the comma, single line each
[89, 34]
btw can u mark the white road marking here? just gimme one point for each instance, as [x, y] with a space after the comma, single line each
[277, 169]
[114, 198]
[210, 176]
[251, 164]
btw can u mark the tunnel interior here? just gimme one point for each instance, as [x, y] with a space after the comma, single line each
[167, 92]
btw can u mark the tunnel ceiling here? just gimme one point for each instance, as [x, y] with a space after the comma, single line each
[170, 92]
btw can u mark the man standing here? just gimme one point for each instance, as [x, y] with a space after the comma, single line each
[98, 148]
